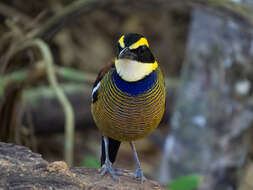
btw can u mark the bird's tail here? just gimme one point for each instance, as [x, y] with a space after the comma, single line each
[113, 148]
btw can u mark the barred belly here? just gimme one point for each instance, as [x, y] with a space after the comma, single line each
[124, 117]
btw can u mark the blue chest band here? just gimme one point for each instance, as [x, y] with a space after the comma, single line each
[135, 88]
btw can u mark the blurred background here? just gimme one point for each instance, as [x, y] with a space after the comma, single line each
[51, 52]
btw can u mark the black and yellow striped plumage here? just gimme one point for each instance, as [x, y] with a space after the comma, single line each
[124, 117]
[128, 98]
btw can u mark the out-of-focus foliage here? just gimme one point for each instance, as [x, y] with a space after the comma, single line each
[188, 182]
[91, 162]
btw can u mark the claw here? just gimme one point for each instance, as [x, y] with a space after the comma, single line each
[107, 168]
[139, 175]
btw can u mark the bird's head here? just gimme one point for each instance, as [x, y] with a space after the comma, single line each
[134, 59]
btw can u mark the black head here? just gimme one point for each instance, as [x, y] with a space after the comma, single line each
[134, 47]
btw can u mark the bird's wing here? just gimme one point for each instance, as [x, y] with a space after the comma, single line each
[113, 145]
[100, 76]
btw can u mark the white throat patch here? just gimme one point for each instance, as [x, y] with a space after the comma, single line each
[131, 71]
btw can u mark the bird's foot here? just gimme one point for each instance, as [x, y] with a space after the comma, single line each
[139, 175]
[107, 168]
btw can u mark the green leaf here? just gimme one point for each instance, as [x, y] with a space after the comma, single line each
[91, 162]
[188, 182]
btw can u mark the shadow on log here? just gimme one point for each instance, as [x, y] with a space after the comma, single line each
[22, 169]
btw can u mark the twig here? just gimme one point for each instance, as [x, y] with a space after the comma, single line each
[64, 72]
[31, 95]
[75, 75]
[12, 13]
[68, 111]
[56, 23]
[31, 128]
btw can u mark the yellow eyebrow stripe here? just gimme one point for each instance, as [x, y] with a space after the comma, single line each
[140, 42]
[154, 65]
[121, 41]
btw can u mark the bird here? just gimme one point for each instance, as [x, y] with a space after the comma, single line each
[128, 100]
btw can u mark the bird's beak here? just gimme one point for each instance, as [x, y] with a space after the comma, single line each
[127, 54]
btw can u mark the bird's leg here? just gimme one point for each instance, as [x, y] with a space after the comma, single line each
[107, 167]
[139, 173]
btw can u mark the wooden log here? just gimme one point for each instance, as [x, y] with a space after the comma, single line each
[20, 168]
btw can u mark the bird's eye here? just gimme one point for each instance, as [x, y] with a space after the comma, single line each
[142, 49]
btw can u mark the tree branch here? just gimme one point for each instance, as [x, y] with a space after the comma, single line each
[68, 111]
[54, 24]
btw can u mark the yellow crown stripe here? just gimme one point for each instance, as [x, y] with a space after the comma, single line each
[121, 41]
[140, 42]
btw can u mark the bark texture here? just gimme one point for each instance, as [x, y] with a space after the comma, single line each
[20, 168]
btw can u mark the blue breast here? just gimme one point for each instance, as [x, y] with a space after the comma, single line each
[135, 88]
